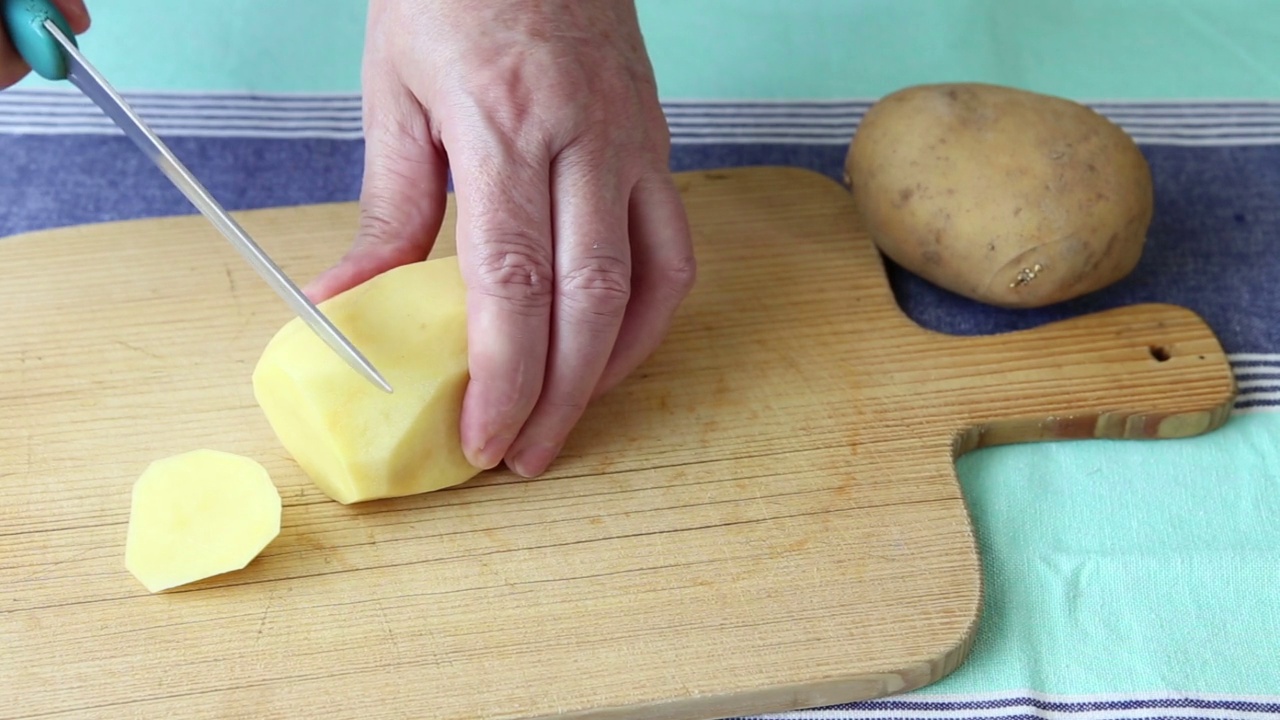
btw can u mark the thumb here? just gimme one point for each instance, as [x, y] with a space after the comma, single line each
[403, 195]
[76, 13]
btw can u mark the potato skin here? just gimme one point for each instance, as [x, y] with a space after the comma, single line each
[1005, 196]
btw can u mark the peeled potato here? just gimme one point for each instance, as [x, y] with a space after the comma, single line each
[1008, 197]
[199, 514]
[355, 441]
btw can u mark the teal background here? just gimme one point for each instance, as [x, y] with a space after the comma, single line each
[706, 49]
[1110, 566]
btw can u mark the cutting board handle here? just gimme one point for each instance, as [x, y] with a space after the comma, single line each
[1138, 372]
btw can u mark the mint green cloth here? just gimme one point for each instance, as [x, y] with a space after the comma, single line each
[1062, 525]
[757, 49]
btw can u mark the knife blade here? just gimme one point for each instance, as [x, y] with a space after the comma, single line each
[84, 76]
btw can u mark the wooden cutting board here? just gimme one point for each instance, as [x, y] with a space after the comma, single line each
[766, 516]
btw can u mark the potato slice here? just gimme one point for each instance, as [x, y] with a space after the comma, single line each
[355, 441]
[199, 514]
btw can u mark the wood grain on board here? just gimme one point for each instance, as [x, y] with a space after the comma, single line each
[764, 517]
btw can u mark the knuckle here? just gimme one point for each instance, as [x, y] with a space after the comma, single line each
[600, 287]
[511, 267]
[678, 276]
[524, 133]
[571, 404]
[383, 226]
[376, 223]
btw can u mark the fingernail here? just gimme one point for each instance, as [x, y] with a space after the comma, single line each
[533, 460]
[490, 454]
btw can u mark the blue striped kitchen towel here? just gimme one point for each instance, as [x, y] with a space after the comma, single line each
[1123, 580]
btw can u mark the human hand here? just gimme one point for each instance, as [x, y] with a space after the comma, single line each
[12, 67]
[572, 237]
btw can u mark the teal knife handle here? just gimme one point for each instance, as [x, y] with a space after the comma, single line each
[24, 22]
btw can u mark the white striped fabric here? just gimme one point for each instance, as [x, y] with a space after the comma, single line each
[829, 123]
[1258, 382]
[1028, 705]
[338, 117]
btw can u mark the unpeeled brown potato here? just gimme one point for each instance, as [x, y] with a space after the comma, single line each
[1005, 196]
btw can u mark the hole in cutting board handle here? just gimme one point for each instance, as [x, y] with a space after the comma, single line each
[1159, 352]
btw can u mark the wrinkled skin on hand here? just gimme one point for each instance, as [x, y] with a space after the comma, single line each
[572, 237]
[12, 67]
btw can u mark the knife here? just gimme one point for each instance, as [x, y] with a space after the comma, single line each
[44, 39]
